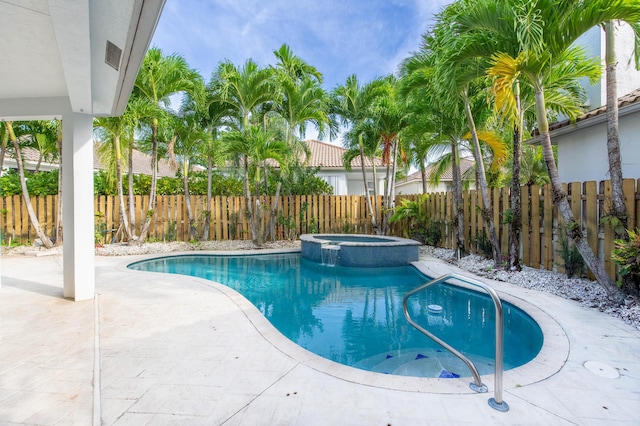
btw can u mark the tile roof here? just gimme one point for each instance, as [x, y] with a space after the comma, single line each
[623, 101]
[465, 164]
[141, 165]
[328, 156]
[141, 161]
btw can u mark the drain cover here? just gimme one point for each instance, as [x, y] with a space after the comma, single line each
[601, 369]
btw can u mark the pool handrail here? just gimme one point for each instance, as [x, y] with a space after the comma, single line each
[496, 402]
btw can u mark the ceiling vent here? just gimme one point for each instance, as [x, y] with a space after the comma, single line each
[112, 56]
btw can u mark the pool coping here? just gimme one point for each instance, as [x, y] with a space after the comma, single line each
[550, 360]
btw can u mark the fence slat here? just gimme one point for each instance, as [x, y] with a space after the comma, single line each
[535, 226]
[542, 227]
[547, 222]
[525, 235]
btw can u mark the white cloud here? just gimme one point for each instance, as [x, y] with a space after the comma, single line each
[365, 37]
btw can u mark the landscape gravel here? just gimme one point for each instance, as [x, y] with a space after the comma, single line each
[585, 292]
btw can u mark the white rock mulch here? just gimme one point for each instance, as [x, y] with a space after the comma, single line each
[586, 292]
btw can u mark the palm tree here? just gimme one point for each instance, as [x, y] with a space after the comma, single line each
[117, 135]
[160, 77]
[351, 104]
[112, 132]
[546, 40]
[251, 148]
[437, 119]
[390, 118]
[461, 77]
[245, 89]
[27, 130]
[190, 135]
[481, 36]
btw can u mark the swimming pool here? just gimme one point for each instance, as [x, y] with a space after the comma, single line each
[354, 315]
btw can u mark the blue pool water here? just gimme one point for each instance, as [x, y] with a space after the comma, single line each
[354, 315]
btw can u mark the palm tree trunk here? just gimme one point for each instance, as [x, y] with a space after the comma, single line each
[59, 228]
[132, 207]
[423, 174]
[207, 212]
[515, 226]
[25, 192]
[392, 187]
[275, 203]
[154, 179]
[123, 210]
[374, 222]
[251, 211]
[574, 230]
[487, 211]
[3, 148]
[187, 199]
[618, 207]
[457, 204]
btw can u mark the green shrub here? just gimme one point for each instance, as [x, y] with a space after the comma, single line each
[573, 262]
[626, 255]
[484, 244]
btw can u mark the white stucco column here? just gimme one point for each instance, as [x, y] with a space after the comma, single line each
[77, 209]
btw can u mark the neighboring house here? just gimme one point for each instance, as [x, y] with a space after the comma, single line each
[31, 156]
[412, 184]
[582, 147]
[329, 158]
[593, 42]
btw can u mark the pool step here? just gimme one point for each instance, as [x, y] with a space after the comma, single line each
[434, 363]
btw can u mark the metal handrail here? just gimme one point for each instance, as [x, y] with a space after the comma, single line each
[496, 402]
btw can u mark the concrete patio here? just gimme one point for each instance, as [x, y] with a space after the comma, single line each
[160, 349]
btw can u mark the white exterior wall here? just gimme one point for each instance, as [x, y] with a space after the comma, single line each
[593, 41]
[582, 151]
[415, 187]
[336, 179]
[349, 183]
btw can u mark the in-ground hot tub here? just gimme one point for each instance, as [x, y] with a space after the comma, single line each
[358, 250]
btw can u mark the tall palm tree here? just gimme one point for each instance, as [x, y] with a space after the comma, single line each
[438, 119]
[160, 77]
[546, 40]
[245, 89]
[618, 205]
[112, 132]
[480, 36]
[251, 148]
[28, 130]
[351, 104]
[463, 79]
[190, 135]
[390, 117]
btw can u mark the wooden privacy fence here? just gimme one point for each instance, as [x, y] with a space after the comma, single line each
[542, 227]
[296, 215]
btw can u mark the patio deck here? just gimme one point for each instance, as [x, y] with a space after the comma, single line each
[180, 350]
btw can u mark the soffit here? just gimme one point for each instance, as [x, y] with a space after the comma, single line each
[55, 50]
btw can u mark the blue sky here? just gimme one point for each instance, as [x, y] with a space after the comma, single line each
[368, 38]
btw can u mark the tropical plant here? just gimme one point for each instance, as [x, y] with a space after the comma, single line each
[572, 260]
[28, 130]
[544, 32]
[626, 255]
[159, 78]
[251, 149]
[421, 227]
[351, 104]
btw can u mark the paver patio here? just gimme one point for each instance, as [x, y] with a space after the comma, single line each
[171, 349]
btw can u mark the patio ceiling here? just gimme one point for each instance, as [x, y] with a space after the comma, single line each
[54, 54]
